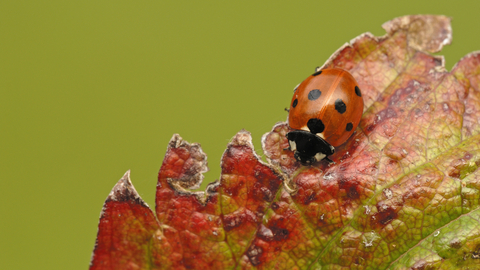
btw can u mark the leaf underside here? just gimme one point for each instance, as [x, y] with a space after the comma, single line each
[404, 192]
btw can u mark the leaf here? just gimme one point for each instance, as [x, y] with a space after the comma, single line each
[404, 192]
[129, 236]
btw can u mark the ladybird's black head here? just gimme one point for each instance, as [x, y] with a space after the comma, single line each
[309, 147]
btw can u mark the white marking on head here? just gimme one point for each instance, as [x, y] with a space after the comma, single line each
[319, 156]
[293, 145]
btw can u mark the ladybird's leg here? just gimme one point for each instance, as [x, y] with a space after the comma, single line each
[303, 160]
[329, 160]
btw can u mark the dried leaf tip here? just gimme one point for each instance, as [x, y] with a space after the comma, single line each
[427, 33]
[125, 191]
[193, 163]
[176, 141]
[242, 138]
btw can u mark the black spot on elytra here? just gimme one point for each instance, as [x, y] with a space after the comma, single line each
[315, 125]
[295, 102]
[349, 127]
[314, 94]
[357, 91]
[340, 106]
[317, 73]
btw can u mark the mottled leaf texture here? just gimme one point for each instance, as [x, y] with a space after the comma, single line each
[403, 193]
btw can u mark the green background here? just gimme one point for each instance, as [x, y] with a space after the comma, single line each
[90, 89]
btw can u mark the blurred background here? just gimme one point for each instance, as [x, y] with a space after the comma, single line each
[90, 89]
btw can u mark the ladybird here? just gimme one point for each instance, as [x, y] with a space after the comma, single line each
[325, 111]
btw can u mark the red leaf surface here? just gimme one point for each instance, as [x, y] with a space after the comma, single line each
[404, 192]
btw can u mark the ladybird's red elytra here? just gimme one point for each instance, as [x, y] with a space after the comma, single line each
[325, 111]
